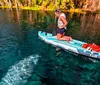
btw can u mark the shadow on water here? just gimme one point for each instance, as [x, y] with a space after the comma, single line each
[19, 39]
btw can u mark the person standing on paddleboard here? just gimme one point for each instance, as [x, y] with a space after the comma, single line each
[61, 26]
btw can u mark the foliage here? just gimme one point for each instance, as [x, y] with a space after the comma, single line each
[90, 5]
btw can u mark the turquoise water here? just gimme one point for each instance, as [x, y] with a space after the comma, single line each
[27, 60]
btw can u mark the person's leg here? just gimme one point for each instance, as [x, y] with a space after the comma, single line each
[62, 37]
[59, 36]
[68, 38]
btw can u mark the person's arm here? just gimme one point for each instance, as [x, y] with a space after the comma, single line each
[64, 22]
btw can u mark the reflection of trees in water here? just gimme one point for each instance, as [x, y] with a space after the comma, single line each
[39, 19]
[18, 14]
[84, 26]
[90, 26]
[15, 14]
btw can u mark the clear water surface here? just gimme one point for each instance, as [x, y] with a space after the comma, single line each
[27, 60]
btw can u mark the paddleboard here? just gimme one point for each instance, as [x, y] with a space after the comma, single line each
[73, 46]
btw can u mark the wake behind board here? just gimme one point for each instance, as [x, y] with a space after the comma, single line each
[73, 46]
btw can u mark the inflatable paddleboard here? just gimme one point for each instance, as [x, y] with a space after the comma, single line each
[73, 46]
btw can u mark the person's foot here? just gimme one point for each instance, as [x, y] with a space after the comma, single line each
[69, 39]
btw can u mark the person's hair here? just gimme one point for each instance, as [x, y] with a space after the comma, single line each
[57, 10]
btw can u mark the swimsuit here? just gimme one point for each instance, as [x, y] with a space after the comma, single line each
[61, 30]
[60, 23]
